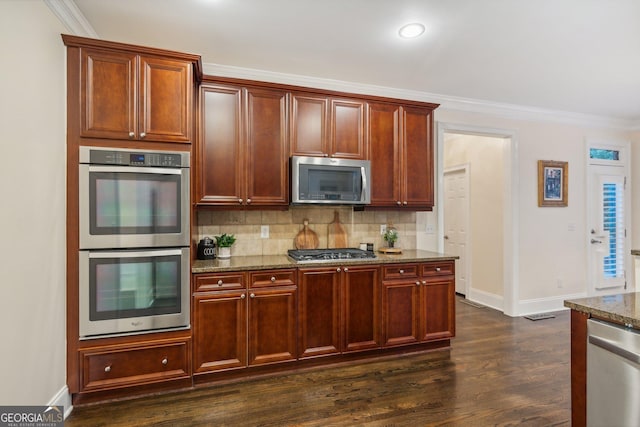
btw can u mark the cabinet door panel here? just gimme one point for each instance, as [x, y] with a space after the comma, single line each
[219, 147]
[400, 313]
[220, 331]
[272, 325]
[165, 100]
[347, 129]
[418, 158]
[319, 313]
[383, 133]
[438, 309]
[308, 125]
[362, 308]
[108, 94]
[267, 148]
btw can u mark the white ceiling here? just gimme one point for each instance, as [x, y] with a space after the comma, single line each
[579, 56]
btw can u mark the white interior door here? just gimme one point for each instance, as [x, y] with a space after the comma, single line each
[608, 221]
[456, 222]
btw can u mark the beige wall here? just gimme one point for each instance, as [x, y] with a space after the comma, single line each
[32, 248]
[484, 155]
[360, 227]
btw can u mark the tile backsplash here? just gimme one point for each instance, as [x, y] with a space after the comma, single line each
[360, 226]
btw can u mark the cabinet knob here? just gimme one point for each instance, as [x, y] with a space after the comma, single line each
[131, 135]
[142, 135]
[346, 269]
[401, 271]
[437, 268]
[424, 282]
[338, 269]
[243, 296]
[107, 368]
[165, 361]
[325, 155]
[240, 201]
[273, 279]
[248, 201]
[252, 295]
[417, 283]
[220, 282]
[399, 202]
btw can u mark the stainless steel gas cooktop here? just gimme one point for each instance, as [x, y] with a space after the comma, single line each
[315, 255]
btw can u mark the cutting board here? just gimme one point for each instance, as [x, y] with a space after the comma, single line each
[306, 238]
[337, 236]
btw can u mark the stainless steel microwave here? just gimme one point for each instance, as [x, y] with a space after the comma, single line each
[326, 180]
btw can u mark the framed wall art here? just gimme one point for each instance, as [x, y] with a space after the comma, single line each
[553, 183]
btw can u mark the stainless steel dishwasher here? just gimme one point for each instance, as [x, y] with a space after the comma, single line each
[613, 375]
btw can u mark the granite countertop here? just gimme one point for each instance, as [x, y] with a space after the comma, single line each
[620, 308]
[267, 262]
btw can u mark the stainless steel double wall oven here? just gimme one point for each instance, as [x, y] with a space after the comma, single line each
[134, 223]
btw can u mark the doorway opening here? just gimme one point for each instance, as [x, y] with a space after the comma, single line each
[476, 219]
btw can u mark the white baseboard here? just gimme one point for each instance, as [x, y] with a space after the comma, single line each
[485, 298]
[545, 305]
[62, 398]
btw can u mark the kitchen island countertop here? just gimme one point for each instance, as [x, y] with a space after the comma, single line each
[267, 262]
[619, 308]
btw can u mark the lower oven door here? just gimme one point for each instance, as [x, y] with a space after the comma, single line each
[133, 291]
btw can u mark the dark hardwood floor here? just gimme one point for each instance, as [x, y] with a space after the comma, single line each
[501, 371]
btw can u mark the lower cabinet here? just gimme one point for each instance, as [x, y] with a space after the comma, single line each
[116, 366]
[239, 327]
[418, 302]
[339, 310]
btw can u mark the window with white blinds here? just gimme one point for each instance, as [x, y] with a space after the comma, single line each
[613, 217]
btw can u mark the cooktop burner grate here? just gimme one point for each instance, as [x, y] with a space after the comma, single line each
[313, 255]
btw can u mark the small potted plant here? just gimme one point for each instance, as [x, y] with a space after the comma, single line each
[224, 242]
[391, 236]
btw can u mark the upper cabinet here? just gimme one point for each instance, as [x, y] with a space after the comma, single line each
[242, 150]
[327, 126]
[401, 153]
[132, 93]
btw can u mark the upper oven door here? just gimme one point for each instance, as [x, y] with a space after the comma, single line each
[133, 207]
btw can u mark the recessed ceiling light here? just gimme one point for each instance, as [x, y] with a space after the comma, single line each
[412, 30]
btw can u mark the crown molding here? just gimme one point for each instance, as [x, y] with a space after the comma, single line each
[71, 17]
[449, 103]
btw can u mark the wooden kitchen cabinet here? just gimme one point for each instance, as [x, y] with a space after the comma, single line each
[116, 366]
[237, 327]
[324, 126]
[339, 310]
[242, 151]
[129, 96]
[400, 141]
[418, 302]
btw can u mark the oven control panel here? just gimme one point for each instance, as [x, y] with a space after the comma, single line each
[101, 156]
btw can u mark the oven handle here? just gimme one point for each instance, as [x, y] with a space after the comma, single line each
[135, 169]
[135, 254]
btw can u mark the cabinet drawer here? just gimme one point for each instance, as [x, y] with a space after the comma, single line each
[443, 268]
[216, 282]
[127, 366]
[261, 279]
[399, 271]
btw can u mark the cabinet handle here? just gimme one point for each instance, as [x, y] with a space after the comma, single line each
[107, 368]
[401, 271]
[165, 361]
[131, 135]
[142, 135]
[273, 279]
[338, 269]
[243, 296]
[248, 201]
[346, 269]
[437, 268]
[220, 282]
[252, 295]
